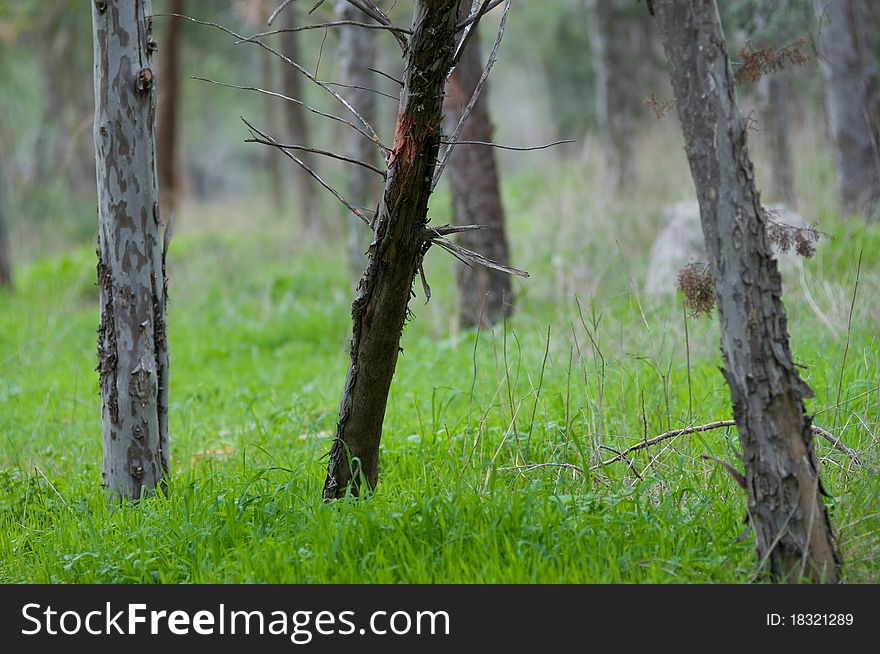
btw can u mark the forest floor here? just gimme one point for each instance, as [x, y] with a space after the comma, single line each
[491, 467]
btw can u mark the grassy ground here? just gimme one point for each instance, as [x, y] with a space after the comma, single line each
[589, 365]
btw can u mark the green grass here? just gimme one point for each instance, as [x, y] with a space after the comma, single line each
[258, 330]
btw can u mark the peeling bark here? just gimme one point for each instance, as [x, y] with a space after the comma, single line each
[380, 306]
[793, 533]
[357, 53]
[484, 295]
[852, 96]
[132, 343]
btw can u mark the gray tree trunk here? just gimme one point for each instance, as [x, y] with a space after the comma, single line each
[852, 95]
[485, 296]
[610, 49]
[297, 130]
[382, 297]
[357, 53]
[776, 122]
[791, 525]
[132, 340]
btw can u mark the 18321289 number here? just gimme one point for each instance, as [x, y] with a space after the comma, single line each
[821, 619]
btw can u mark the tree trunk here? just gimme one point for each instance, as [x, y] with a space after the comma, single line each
[270, 116]
[609, 46]
[357, 53]
[132, 340]
[297, 130]
[166, 136]
[485, 296]
[852, 95]
[776, 121]
[5, 261]
[380, 306]
[791, 525]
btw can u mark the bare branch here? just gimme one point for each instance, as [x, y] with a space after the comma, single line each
[364, 88]
[338, 119]
[275, 13]
[384, 74]
[470, 257]
[334, 23]
[491, 5]
[493, 57]
[256, 132]
[444, 230]
[509, 147]
[372, 132]
[369, 8]
[325, 153]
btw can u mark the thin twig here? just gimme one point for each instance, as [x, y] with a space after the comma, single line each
[836, 442]
[275, 13]
[431, 231]
[463, 24]
[325, 153]
[345, 103]
[318, 112]
[333, 23]
[40, 472]
[535, 466]
[509, 147]
[471, 257]
[384, 74]
[299, 162]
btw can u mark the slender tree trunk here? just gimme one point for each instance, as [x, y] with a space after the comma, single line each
[852, 95]
[168, 101]
[132, 340]
[791, 525]
[297, 130]
[485, 296]
[270, 116]
[5, 261]
[776, 121]
[380, 306]
[357, 53]
[610, 52]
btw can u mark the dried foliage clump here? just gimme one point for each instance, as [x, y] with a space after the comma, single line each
[695, 281]
[786, 238]
[660, 108]
[756, 63]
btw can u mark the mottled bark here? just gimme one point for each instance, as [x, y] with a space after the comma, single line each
[380, 306]
[776, 124]
[357, 53]
[297, 130]
[852, 95]
[611, 48]
[132, 342]
[484, 295]
[168, 101]
[793, 533]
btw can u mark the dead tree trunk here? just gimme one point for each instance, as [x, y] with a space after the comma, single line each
[380, 306]
[791, 525]
[609, 48]
[357, 54]
[166, 135]
[297, 130]
[776, 121]
[484, 295]
[132, 342]
[852, 95]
